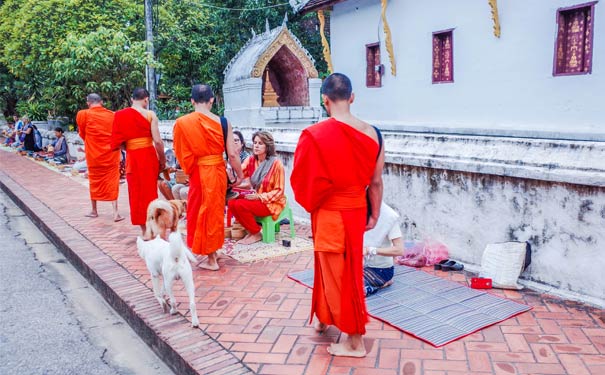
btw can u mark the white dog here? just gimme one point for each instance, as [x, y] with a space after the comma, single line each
[169, 259]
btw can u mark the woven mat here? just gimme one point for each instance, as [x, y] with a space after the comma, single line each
[260, 250]
[430, 308]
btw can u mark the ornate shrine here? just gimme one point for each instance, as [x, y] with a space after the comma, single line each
[271, 80]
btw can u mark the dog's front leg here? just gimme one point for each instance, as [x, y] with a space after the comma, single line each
[158, 291]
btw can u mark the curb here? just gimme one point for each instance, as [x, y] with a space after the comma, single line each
[128, 296]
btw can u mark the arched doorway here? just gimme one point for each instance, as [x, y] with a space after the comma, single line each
[287, 77]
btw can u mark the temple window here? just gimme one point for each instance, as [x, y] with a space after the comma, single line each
[443, 57]
[373, 66]
[573, 54]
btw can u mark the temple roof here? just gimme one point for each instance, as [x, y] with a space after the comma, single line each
[305, 6]
[254, 56]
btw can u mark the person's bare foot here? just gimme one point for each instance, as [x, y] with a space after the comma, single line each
[251, 238]
[320, 327]
[207, 266]
[345, 349]
[92, 215]
[210, 263]
[388, 283]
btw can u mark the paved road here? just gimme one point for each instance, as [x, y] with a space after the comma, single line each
[51, 320]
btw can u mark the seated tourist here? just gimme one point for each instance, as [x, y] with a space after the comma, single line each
[9, 134]
[263, 195]
[381, 245]
[240, 145]
[18, 135]
[240, 148]
[29, 139]
[59, 152]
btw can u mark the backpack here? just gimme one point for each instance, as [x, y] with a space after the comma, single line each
[37, 137]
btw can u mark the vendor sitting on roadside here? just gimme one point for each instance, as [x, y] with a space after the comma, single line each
[381, 245]
[59, 148]
[9, 134]
[265, 194]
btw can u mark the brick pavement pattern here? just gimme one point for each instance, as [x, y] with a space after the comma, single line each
[254, 319]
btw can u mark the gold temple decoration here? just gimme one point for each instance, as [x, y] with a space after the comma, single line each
[388, 41]
[494, 5]
[324, 41]
[269, 94]
[284, 39]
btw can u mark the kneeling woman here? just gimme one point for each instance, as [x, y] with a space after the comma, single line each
[266, 174]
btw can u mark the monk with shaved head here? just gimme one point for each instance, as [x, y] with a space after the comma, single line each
[94, 127]
[200, 139]
[136, 128]
[337, 171]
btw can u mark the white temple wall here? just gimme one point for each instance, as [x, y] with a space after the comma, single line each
[501, 86]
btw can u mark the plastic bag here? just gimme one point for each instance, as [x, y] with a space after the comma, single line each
[423, 253]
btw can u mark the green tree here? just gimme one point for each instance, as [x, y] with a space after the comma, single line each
[102, 61]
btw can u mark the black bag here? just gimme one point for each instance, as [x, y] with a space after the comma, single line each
[369, 204]
[231, 177]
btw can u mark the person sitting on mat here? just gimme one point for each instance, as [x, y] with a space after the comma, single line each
[381, 245]
[266, 180]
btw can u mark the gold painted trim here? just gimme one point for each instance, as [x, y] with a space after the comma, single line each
[284, 39]
[388, 41]
[324, 40]
[494, 5]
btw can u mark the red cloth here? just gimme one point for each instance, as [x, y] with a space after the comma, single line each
[333, 165]
[246, 211]
[142, 164]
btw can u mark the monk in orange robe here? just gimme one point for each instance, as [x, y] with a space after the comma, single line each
[335, 162]
[103, 163]
[137, 128]
[199, 145]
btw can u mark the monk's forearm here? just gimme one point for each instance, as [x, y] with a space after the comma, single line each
[375, 194]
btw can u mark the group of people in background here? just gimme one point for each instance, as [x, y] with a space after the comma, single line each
[350, 223]
[23, 135]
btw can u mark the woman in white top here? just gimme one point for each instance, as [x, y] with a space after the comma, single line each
[381, 245]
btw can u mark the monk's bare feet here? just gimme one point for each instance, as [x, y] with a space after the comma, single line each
[207, 266]
[251, 238]
[118, 218]
[92, 214]
[353, 346]
[320, 327]
[210, 263]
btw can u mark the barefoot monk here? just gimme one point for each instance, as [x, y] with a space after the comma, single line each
[335, 162]
[137, 128]
[199, 145]
[94, 127]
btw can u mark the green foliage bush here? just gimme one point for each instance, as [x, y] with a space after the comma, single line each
[54, 52]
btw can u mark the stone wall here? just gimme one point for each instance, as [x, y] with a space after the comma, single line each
[468, 191]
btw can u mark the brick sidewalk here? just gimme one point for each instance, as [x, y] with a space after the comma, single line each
[254, 319]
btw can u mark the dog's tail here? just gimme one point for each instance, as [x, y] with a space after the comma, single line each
[178, 248]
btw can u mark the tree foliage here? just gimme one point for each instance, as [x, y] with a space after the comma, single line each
[54, 52]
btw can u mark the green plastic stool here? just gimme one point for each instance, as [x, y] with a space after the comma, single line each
[270, 226]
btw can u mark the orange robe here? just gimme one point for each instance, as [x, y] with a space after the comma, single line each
[142, 163]
[199, 148]
[334, 194]
[103, 163]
